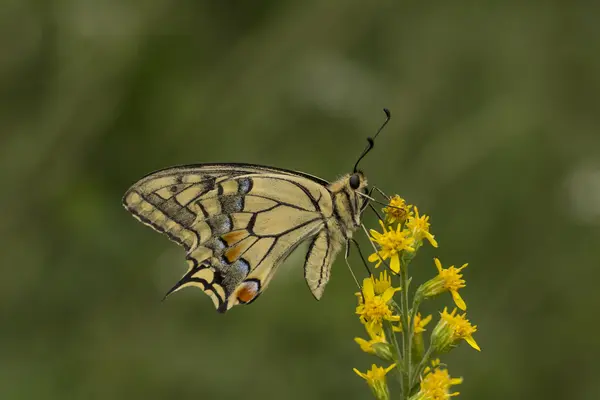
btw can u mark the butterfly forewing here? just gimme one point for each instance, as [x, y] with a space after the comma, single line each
[238, 222]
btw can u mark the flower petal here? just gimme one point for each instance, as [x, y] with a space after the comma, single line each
[388, 369]
[375, 235]
[373, 257]
[460, 303]
[388, 294]
[426, 320]
[364, 376]
[368, 288]
[395, 264]
[364, 345]
[469, 339]
[431, 239]
[438, 264]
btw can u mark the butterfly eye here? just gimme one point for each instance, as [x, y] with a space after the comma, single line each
[355, 181]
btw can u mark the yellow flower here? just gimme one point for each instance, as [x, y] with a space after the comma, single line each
[418, 342]
[380, 285]
[419, 227]
[377, 345]
[453, 281]
[391, 243]
[452, 328]
[419, 324]
[374, 309]
[368, 346]
[449, 279]
[383, 283]
[375, 378]
[397, 210]
[434, 363]
[436, 384]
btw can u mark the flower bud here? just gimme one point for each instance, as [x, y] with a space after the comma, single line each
[383, 351]
[376, 380]
[442, 337]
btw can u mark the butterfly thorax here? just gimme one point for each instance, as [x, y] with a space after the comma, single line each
[347, 204]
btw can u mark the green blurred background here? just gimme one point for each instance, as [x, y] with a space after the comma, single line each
[494, 133]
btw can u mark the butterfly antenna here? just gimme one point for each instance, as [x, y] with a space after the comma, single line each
[371, 140]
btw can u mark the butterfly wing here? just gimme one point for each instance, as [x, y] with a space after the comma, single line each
[238, 222]
[320, 256]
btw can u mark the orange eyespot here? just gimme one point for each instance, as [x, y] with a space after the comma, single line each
[245, 294]
[247, 291]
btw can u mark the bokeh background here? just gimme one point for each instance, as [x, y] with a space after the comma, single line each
[494, 133]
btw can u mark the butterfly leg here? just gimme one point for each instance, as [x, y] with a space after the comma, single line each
[375, 249]
[376, 212]
[346, 255]
[361, 256]
[381, 192]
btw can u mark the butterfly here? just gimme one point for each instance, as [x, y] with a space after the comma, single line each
[239, 222]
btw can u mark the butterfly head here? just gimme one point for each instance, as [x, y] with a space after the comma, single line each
[357, 183]
[347, 193]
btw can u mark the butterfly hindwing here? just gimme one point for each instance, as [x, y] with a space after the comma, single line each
[237, 223]
[321, 253]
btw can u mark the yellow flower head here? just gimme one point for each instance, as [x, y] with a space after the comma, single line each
[374, 309]
[452, 281]
[375, 378]
[368, 346]
[436, 384]
[397, 210]
[452, 328]
[419, 227]
[380, 285]
[377, 345]
[419, 324]
[391, 243]
[383, 283]
[447, 280]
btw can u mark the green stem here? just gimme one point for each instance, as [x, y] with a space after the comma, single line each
[415, 306]
[391, 339]
[421, 365]
[394, 343]
[406, 331]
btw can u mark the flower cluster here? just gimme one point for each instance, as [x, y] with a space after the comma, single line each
[394, 326]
